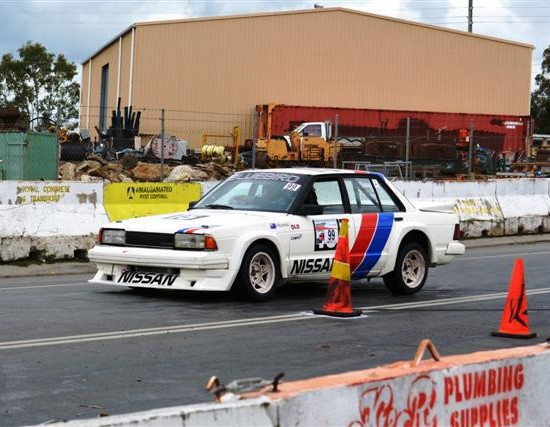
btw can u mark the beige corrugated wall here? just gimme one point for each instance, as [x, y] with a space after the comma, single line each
[84, 111]
[124, 70]
[320, 57]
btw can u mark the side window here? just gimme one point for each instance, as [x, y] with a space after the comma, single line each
[388, 203]
[328, 196]
[362, 197]
[367, 195]
[312, 130]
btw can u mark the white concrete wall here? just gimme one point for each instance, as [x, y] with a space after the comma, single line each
[58, 218]
[500, 207]
[525, 206]
[50, 217]
[499, 387]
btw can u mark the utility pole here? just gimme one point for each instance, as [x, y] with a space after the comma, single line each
[335, 155]
[161, 144]
[471, 148]
[255, 139]
[408, 172]
[470, 15]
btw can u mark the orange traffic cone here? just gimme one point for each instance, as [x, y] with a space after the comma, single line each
[338, 301]
[515, 323]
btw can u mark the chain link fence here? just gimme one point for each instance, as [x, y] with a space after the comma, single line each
[428, 145]
[139, 129]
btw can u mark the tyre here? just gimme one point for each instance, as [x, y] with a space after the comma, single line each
[73, 152]
[259, 274]
[410, 272]
[129, 161]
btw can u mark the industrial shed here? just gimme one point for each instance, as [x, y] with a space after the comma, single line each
[209, 74]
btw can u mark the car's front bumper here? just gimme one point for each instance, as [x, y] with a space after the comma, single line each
[161, 268]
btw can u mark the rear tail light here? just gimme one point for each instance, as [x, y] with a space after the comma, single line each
[456, 234]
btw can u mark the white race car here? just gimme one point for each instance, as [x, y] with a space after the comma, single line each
[260, 228]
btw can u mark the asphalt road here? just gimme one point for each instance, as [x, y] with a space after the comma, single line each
[71, 350]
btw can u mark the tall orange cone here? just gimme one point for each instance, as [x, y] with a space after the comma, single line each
[338, 300]
[515, 323]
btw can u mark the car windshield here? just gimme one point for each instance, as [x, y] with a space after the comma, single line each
[255, 191]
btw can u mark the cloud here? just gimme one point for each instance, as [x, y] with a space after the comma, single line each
[78, 28]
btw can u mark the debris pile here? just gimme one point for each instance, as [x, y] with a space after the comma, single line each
[96, 168]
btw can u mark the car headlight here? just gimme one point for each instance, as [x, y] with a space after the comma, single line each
[109, 236]
[195, 241]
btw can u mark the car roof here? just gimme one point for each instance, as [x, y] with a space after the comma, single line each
[308, 171]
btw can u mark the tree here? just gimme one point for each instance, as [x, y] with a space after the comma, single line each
[540, 98]
[40, 84]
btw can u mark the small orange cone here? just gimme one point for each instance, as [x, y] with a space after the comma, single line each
[338, 301]
[515, 323]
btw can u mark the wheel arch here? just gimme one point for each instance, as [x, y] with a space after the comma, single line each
[257, 277]
[271, 244]
[421, 238]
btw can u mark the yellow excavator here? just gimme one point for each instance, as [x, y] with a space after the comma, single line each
[309, 144]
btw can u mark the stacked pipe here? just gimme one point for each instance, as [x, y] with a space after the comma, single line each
[126, 126]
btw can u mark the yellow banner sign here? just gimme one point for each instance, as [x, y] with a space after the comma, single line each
[130, 200]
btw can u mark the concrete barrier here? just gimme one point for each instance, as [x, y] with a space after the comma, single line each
[525, 205]
[503, 387]
[53, 218]
[475, 203]
[503, 207]
[58, 219]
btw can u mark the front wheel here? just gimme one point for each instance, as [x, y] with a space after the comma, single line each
[410, 271]
[259, 274]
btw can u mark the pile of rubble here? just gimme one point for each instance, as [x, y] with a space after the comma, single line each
[96, 168]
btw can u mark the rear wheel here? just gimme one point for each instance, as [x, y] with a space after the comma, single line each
[410, 272]
[259, 273]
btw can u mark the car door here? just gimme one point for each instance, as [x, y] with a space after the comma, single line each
[312, 245]
[375, 213]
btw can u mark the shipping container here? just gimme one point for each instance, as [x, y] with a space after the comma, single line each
[500, 133]
[28, 156]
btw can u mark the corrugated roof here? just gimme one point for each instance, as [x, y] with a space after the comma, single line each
[302, 11]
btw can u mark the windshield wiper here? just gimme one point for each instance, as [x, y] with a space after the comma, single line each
[216, 206]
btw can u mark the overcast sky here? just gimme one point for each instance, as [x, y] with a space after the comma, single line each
[78, 28]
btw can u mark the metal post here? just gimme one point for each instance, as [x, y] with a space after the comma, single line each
[470, 147]
[470, 15]
[408, 148]
[161, 144]
[254, 139]
[335, 155]
[57, 127]
[528, 141]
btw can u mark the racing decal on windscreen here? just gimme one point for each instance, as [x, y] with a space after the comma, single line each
[326, 234]
[313, 265]
[371, 239]
[271, 176]
[291, 187]
[147, 278]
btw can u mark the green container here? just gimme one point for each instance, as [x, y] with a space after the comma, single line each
[28, 156]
